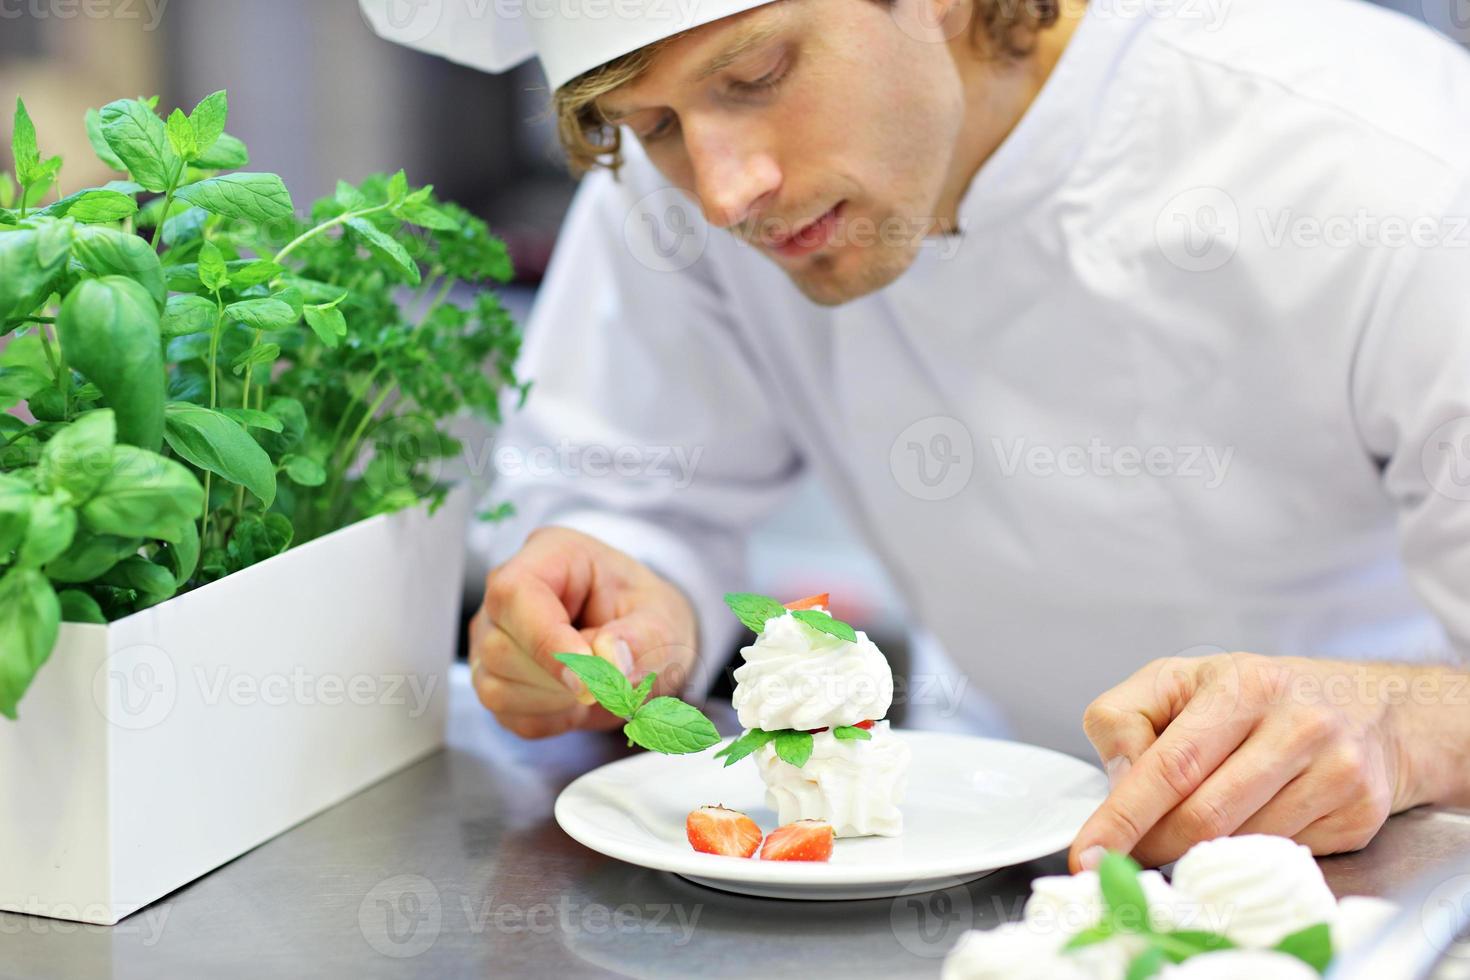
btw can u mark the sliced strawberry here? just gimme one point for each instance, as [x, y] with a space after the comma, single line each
[716, 830]
[861, 724]
[865, 724]
[811, 602]
[805, 840]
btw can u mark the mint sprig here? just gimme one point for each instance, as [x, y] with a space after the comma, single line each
[851, 733]
[823, 623]
[751, 741]
[756, 610]
[665, 724]
[1125, 912]
[794, 747]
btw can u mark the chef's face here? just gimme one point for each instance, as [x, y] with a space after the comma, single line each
[819, 131]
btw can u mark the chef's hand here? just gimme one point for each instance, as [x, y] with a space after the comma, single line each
[566, 592]
[1199, 748]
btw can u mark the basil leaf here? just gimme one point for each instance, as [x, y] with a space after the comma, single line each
[151, 583]
[292, 416]
[109, 329]
[29, 267]
[105, 251]
[824, 623]
[18, 384]
[79, 607]
[604, 681]
[851, 733]
[15, 512]
[304, 471]
[1312, 945]
[751, 741]
[253, 197]
[387, 246]
[253, 419]
[79, 456]
[267, 313]
[215, 442]
[90, 557]
[144, 496]
[672, 727]
[754, 610]
[183, 555]
[30, 617]
[140, 140]
[794, 747]
[1123, 896]
[256, 356]
[187, 314]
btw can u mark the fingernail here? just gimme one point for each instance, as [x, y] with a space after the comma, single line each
[1117, 768]
[1092, 857]
[624, 655]
[572, 681]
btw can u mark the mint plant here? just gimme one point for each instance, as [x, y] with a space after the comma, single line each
[197, 378]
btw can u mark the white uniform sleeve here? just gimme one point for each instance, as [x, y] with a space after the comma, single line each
[1411, 395]
[647, 426]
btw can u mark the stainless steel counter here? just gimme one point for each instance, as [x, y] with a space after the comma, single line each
[455, 868]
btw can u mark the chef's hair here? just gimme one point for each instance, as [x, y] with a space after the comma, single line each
[1002, 29]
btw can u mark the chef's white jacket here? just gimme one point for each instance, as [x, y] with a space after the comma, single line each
[1195, 375]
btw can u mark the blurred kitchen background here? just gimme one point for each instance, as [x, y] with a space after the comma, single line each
[317, 97]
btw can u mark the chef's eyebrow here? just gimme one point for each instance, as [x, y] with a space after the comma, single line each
[751, 38]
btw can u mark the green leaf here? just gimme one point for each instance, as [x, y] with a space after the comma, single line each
[208, 119]
[91, 556]
[140, 140]
[212, 271]
[16, 497]
[92, 207]
[23, 146]
[851, 733]
[1312, 945]
[253, 419]
[215, 442]
[643, 690]
[188, 314]
[109, 329]
[105, 251]
[1146, 964]
[751, 741]
[387, 246]
[18, 384]
[99, 142]
[327, 323]
[292, 417]
[266, 313]
[185, 227]
[30, 617]
[257, 539]
[79, 456]
[226, 153]
[256, 356]
[253, 273]
[79, 607]
[427, 216]
[183, 555]
[29, 267]
[824, 623]
[1122, 893]
[304, 471]
[672, 727]
[1180, 945]
[1099, 933]
[604, 681]
[754, 610]
[144, 496]
[152, 583]
[181, 135]
[794, 747]
[253, 197]
[7, 197]
[397, 187]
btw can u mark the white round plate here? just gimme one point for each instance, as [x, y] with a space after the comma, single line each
[974, 805]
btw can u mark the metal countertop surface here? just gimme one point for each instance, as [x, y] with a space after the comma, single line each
[454, 867]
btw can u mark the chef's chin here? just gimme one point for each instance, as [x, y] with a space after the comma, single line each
[851, 271]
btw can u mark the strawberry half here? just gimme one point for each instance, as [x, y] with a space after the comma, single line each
[864, 725]
[804, 840]
[811, 602]
[716, 830]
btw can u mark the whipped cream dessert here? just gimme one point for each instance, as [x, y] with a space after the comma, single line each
[796, 677]
[1255, 889]
[856, 786]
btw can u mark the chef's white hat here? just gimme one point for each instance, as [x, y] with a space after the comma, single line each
[571, 36]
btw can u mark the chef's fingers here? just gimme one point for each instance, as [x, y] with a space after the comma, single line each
[1123, 722]
[1163, 777]
[1245, 782]
[525, 607]
[1290, 811]
[507, 698]
[643, 642]
[495, 653]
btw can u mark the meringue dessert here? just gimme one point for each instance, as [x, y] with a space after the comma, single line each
[812, 694]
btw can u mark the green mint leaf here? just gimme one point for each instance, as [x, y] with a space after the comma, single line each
[1180, 945]
[92, 207]
[140, 140]
[397, 188]
[181, 136]
[217, 443]
[265, 313]
[27, 632]
[643, 690]
[388, 247]
[850, 733]
[1146, 964]
[187, 314]
[754, 610]
[1123, 896]
[23, 146]
[226, 153]
[824, 623]
[212, 270]
[672, 727]
[604, 681]
[794, 747]
[7, 195]
[750, 742]
[99, 142]
[208, 120]
[1312, 945]
[328, 323]
[252, 419]
[1099, 933]
[260, 354]
[426, 216]
[253, 197]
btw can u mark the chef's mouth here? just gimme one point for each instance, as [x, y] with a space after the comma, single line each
[811, 237]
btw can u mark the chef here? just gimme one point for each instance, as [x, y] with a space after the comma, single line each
[1133, 337]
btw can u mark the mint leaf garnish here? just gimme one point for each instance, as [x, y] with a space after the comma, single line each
[851, 733]
[743, 746]
[643, 690]
[606, 683]
[1312, 945]
[672, 727]
[1146, 964]
[753, 610]
[794, 747]
[1124, 901]
[1101, 932]
[824, 623]
[1180, 946]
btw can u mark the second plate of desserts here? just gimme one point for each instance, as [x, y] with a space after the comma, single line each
[973, 806]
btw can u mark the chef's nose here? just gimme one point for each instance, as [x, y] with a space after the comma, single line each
[732, 175]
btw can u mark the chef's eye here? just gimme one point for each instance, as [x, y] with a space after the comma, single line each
[766, 82]
[664, 127]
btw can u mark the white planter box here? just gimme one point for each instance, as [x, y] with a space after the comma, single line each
[153, 750]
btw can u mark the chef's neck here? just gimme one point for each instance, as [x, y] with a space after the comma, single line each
[998, 92]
